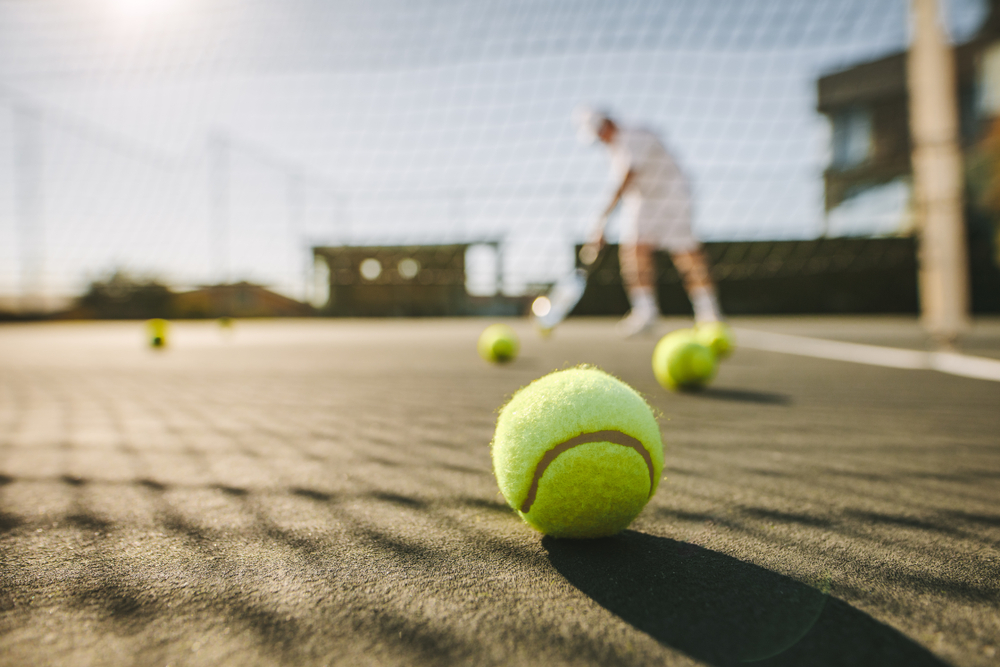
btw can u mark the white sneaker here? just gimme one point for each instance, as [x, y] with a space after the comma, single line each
[637, 322]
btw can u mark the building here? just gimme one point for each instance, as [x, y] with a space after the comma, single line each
[240, 299]
[406, 281]
[868, 183]
[867, 106]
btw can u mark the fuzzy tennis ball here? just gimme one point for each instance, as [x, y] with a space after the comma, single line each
[498, 344]
[577, 453]
[681, 362]
[717, 336]
[156, 331]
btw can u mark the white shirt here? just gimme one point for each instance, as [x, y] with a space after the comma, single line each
[656, 205]
[656, 175]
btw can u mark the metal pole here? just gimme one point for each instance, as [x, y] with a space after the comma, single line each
[937, 176]
[218, 185]
[499, 267]
[28, 205]
[296, 194]
[457, 215]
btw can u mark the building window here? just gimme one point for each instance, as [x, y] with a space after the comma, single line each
[371, 269]
[408, 268]
[852, 137]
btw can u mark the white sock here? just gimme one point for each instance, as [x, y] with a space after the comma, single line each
[706, 305]
[643, 300]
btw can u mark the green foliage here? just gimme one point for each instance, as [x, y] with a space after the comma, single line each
[123, 296]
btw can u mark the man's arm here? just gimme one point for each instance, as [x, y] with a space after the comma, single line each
[618, 195]
[588, 254]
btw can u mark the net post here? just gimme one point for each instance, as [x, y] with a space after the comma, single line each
[937, 176]
[218, 185]
[28, 201]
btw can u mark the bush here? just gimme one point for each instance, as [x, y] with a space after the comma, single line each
[122, 296]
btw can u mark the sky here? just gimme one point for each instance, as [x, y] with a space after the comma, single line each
[207, 140]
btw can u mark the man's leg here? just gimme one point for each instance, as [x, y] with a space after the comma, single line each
[639, 275]
[693, 267]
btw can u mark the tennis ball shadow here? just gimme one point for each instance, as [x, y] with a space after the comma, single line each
[724, 611]
[746, 396]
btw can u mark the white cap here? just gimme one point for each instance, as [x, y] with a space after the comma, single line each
[588, 123]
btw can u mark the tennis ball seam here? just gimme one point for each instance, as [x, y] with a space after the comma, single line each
[614, 437]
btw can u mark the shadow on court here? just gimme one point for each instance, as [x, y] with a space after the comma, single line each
[723, 611]
[745, 396]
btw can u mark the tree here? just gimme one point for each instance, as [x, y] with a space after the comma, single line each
[122, 296]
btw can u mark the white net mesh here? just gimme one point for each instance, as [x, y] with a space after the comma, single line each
[219, 140]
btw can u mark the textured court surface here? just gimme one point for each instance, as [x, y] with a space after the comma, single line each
[320, 493]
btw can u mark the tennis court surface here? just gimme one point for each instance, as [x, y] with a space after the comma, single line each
[319, 492]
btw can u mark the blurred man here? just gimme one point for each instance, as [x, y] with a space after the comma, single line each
[656, 214]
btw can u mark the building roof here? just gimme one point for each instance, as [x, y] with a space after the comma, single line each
[886, 77]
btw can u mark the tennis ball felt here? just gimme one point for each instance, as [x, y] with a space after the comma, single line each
[498, 343]
[681, 362]
[156, 331]
[577, 453]
[717, 336]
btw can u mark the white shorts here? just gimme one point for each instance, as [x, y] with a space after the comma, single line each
[662, 223]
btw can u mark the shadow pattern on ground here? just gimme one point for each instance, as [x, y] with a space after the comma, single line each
[724, 611]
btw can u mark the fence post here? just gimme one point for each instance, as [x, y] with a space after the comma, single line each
[28, 200]
[937, 176]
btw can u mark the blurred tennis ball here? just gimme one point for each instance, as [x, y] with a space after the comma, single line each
[156, 332]
[717, 336]
[681, 362]
[225, 322]
[577, 453]
[498, 344]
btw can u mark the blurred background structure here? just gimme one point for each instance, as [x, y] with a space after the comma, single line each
[187, 146]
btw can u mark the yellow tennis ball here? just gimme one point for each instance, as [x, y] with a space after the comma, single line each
[681, 362]
[577, 453]
[718, 337]
[156, 332]
[498, 344]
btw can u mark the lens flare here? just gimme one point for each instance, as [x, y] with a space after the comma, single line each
[541, 306]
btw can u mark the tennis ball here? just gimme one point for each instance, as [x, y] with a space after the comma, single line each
[498, 343]
[681, 362]
[156, 331]
[577, 453]
[717, 336]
